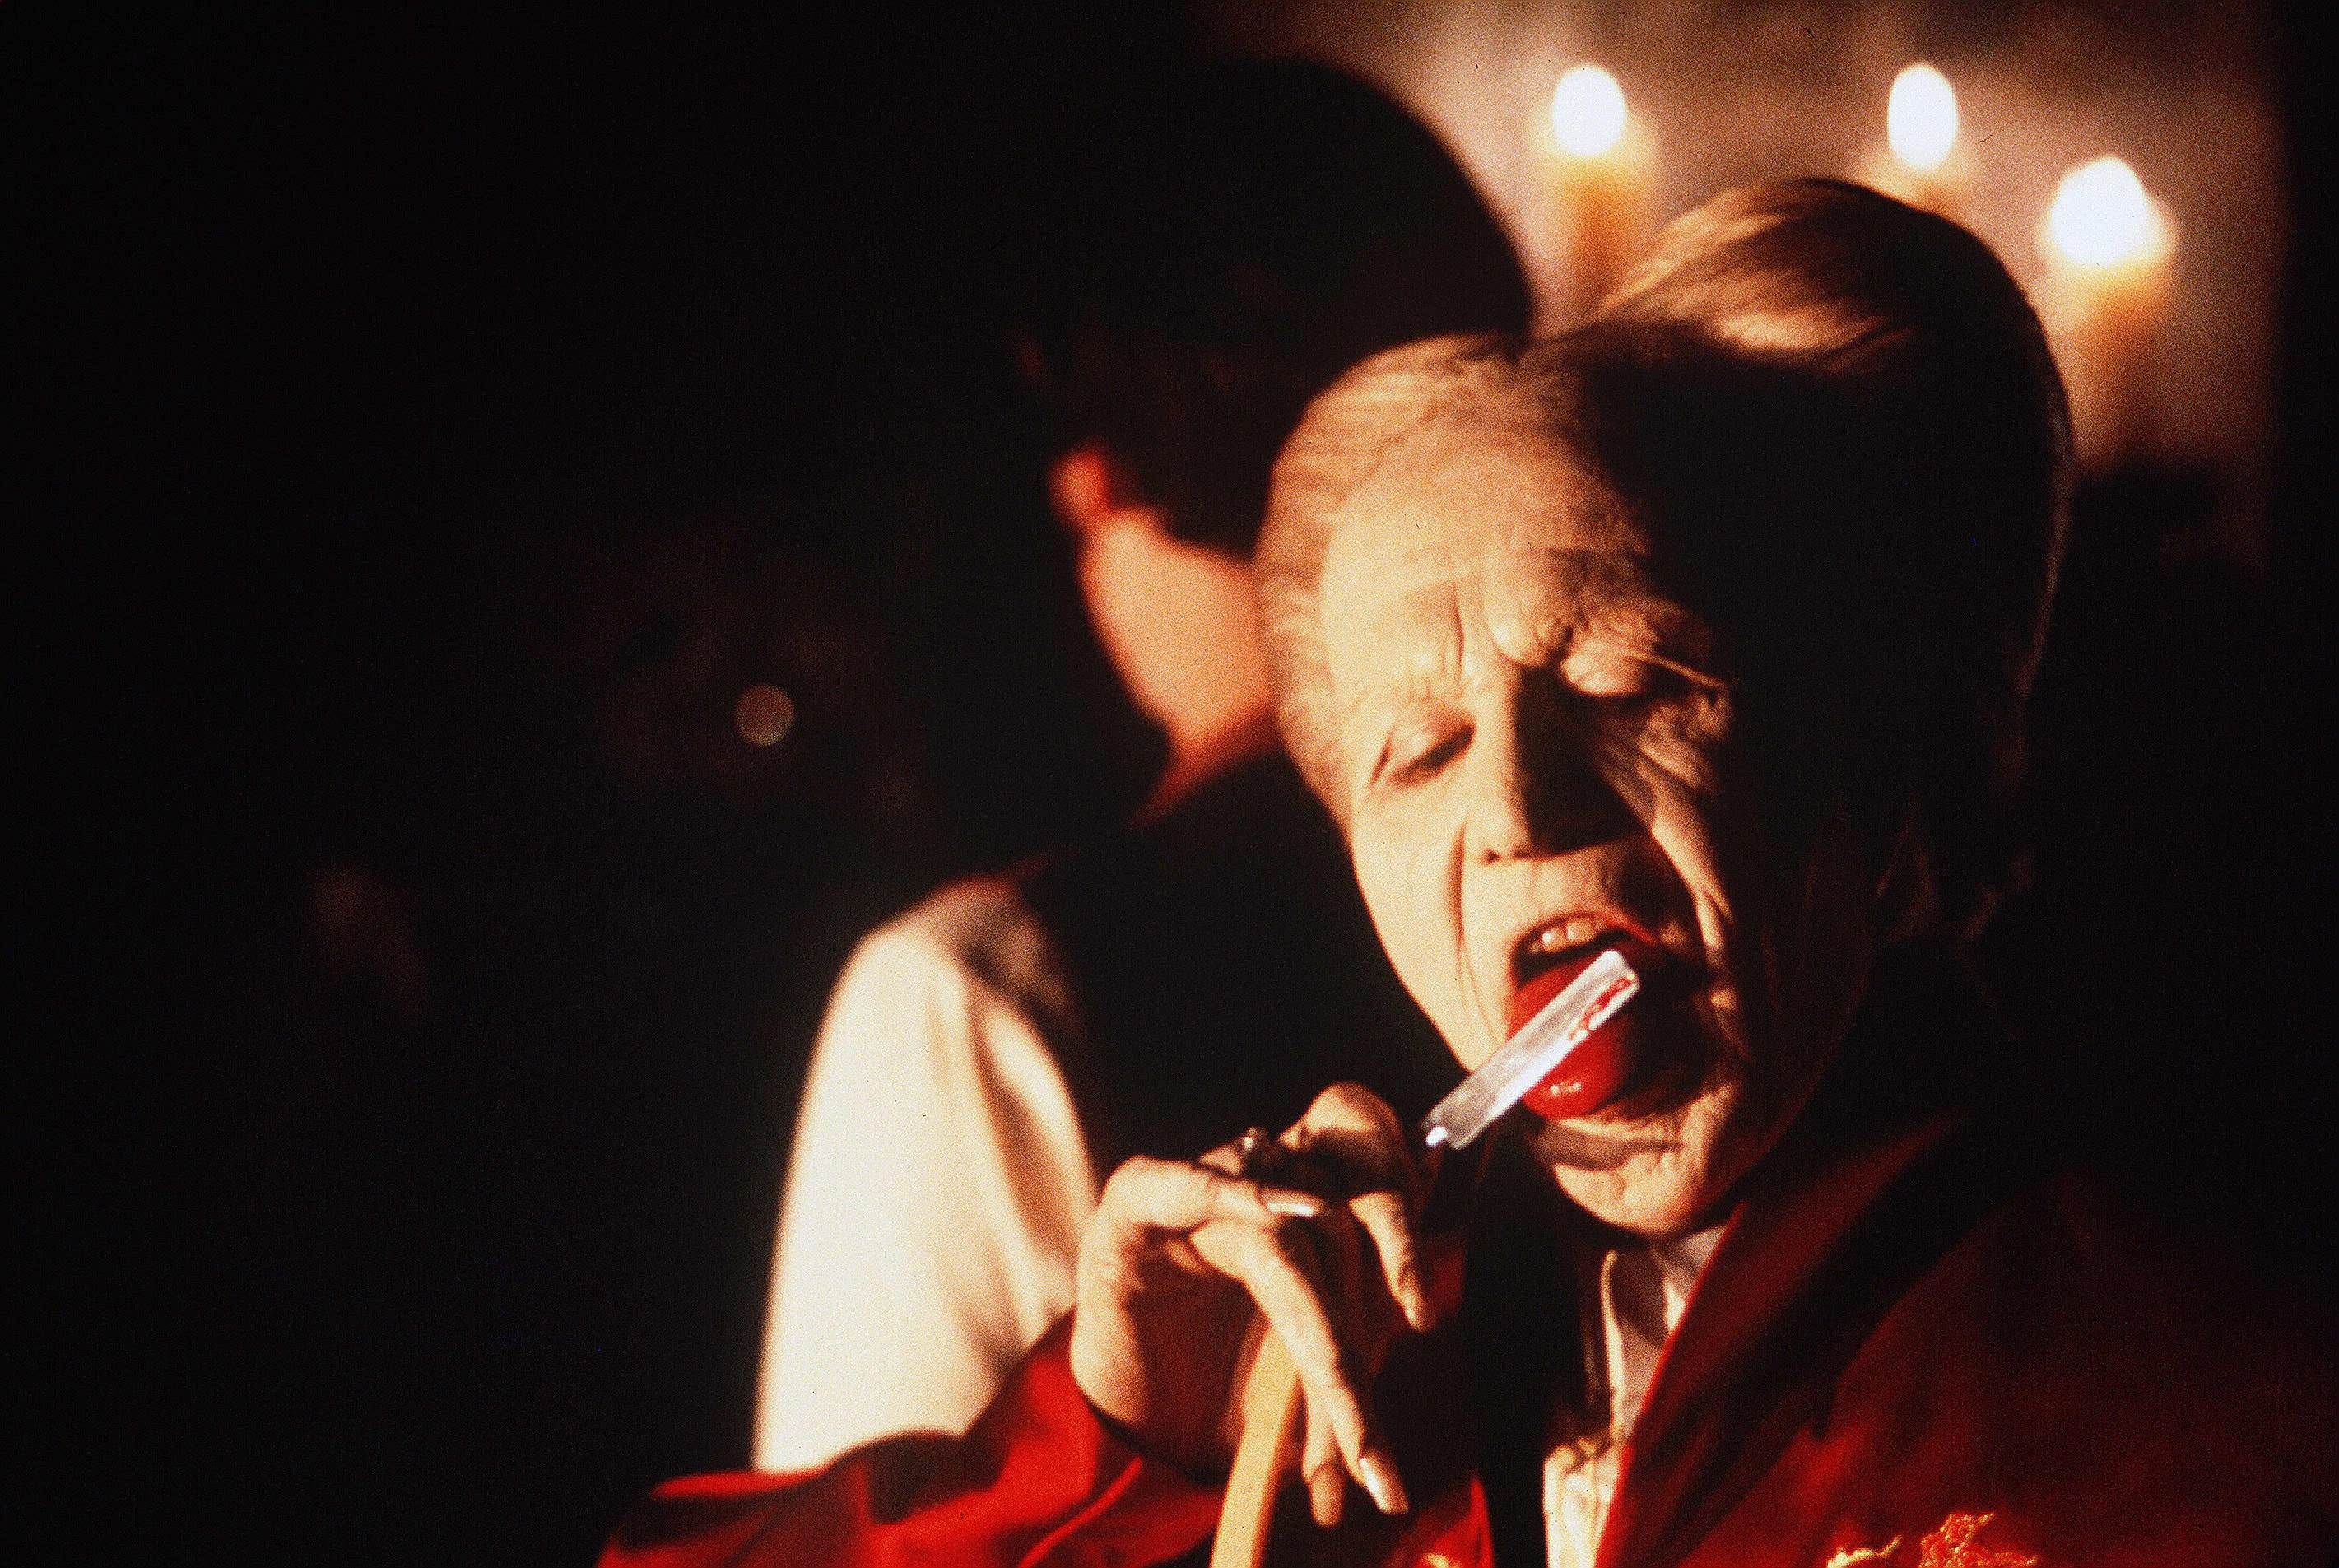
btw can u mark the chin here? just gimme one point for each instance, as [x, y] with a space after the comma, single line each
[1658, 1175]
[1658, 1206]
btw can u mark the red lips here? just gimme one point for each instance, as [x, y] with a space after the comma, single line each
[1595, 1071]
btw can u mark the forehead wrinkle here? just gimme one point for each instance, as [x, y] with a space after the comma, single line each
[1430, 670]
[1563, 596]
[1476, 513]
[1458, 647]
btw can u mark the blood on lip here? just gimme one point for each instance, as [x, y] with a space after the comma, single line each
[1596, 1067]
[1548, 973]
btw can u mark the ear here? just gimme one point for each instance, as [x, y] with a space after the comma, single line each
[1092, 490]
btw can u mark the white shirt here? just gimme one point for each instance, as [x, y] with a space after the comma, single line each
[938, 1185]
[1644, 1291]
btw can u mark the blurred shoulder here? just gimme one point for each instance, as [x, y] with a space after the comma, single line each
[975, 935]
[980, 921]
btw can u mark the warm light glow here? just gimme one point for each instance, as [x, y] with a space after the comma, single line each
[2101, 216]
[1587, 112]
[1920, 120]
[765, 715]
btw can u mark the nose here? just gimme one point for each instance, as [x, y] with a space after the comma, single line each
[1536, 785]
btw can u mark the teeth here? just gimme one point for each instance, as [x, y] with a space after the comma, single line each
[1563, 934]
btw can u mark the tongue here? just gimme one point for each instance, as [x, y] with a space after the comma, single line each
[1536, 994]
[1594, 1070]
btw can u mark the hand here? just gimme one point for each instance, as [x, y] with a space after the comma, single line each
[1317, 1239]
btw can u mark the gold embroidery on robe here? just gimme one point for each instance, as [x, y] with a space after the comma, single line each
[1949, 1546]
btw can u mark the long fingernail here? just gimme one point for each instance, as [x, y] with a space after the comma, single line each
[1292, 1205]
[1416, 1300]
[1379, 1478]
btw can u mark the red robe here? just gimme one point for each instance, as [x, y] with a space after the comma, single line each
[1917, 1344]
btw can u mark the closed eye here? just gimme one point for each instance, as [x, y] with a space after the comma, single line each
[1412, 758]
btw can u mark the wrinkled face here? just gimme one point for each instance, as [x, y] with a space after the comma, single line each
[1533, 745]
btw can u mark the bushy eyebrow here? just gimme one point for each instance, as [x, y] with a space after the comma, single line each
[1659, 632]
[1609, 597]
[1421, 683]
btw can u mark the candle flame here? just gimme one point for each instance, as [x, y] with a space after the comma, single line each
[2101, 216]
[1587, 112]
[1920, 119]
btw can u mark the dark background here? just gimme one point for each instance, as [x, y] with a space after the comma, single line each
[427, 422]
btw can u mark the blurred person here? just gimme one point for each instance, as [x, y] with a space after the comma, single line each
[1704, 633]
[1221, 243]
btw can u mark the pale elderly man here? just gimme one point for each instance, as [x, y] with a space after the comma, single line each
[1703, 634]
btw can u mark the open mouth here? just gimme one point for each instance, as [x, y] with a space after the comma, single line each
[1551, 954]
[1545, 961]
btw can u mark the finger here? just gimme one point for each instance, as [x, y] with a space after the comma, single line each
[1327, 1480]
[1269, 1265]
[1352, 1105]
[1352, 1123]
[1176, 1196]
[1255, 1153]
[1384, 1217]
[1279, 1267]
[1338, 1247]
[1385, 1186]
[1380, 1477]
[1360, 1318]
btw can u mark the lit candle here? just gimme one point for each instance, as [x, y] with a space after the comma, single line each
[1923, 162]
[1602, 167]
[2110, 252]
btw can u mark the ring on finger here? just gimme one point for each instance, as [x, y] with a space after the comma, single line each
[1258, 1154]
